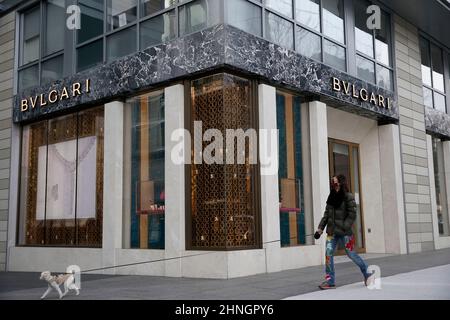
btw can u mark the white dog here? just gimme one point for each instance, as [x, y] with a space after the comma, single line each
[55, 281]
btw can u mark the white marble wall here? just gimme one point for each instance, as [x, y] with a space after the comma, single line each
[381, 179]
[318, 123]
[113, 183]
[13, 217]
[270, 209]
[392, 189]
[371, 191]
[174, 184]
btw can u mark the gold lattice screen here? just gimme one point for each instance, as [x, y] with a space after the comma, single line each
[224, 197]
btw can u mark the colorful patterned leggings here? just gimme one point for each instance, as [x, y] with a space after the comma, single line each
[349, 245]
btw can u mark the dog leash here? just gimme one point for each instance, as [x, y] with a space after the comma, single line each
[166, 259]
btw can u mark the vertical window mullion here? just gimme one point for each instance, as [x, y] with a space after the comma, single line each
[21, 35]
[43, 26]
[263, 20]
[321, 31]
[294, 14]
[431, 69]
[41, 41]
[346, 36]
[447, 79]
[225, 11]
[69, 50]
[374, 41]
[431, 64]
[75, 44]
[105, 17]
[138, 26]
[177, 20]
[350, 35]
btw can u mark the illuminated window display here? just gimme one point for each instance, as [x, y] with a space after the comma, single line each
[290, 173]
[145, 182]
[62, 181]
[224, 198]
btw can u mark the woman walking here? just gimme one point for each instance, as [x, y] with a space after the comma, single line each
[340, 214]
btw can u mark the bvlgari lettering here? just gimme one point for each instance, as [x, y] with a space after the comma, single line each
[64, 94]
[44, 99]
[346, 88]
[43, 102]
[76, 89]
[381, 102]
[53, 96]
[355, 93]
[33, 101]
[361, 94]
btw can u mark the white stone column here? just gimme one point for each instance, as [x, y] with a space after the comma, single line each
[175, 182]
[270, 209]
[392, 189]
[112, 183]
[319, 162]
[307, 178]
[446, 152]
[14, 191]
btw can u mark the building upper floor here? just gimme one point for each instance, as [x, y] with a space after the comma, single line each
[57, 39]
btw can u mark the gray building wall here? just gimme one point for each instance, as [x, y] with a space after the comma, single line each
[413, 138]
[7, 33]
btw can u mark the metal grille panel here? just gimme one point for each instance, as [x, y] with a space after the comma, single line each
[223, 196]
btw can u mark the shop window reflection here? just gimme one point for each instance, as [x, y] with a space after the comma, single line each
[440, 188]
[333, 19]
[294, 225]
[145, 180]
[434, 92]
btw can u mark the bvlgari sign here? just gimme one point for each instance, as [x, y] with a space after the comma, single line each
[54, 96]
[361, 94]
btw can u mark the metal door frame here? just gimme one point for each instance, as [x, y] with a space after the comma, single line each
[351, 146]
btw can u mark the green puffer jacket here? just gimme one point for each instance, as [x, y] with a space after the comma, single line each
[339, 221]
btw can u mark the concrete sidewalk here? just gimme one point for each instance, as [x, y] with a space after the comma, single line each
[425, 284]
[260, 287]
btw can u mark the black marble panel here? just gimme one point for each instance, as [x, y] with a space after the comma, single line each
[201, 51]
[437, 122]
[287, 68]
[213, 48]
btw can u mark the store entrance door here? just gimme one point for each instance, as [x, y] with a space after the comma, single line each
[344, 159]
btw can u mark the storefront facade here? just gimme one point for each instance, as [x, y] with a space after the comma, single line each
[99, 116]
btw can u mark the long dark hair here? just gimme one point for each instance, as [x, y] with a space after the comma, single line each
[342, 180]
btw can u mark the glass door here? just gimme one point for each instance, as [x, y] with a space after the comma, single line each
[344, 159]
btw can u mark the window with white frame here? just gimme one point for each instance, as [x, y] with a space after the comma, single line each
[373, 47]
[433, 79]
[41, 50]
